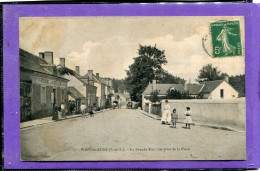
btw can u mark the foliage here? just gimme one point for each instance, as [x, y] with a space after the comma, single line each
[146, 67]
[167, 78]
[119, 85]
[210, 73]
[238, 83]
[154, 96]
[175, 94]
[65, 71]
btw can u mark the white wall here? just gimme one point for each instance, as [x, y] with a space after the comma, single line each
[223, 112]
[98, 85]
[77, 84]
[229, 91]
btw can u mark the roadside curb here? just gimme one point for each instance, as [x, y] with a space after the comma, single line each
[62, 119]
[195, 123]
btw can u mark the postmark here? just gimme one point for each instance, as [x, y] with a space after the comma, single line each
[225, 38]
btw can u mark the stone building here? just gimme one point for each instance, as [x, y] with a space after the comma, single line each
[41, 86]
[94, 80]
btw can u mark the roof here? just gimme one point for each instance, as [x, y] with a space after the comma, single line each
[163, 88]
[210, 86]
[193, 89]
[73, 92]
[32, 62]
[86, 76]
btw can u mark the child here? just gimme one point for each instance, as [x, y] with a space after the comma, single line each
[92, 110]
[83, 109]
[174, 118]
[188, 119]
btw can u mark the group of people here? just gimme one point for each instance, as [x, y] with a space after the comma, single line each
[62, 110]
[83, 109]
[59, 111]
[169, 117]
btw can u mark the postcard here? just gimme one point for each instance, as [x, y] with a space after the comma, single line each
[131, 88]
[114, 67]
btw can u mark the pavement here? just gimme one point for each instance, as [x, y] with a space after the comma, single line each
[127, 134]
[209, 125]
[48, 120]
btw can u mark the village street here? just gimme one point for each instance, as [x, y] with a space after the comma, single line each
[126, 134]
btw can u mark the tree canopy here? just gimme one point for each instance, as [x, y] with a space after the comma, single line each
[146, 67]
[210, 73]
[238, 82]
[154, 96]
[119, 85]
[175, 94]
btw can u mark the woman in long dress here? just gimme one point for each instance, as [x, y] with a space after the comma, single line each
[166, 116]
[188, 119]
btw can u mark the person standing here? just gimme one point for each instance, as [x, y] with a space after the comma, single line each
[63, 111]
[174, 118]
[188, 119]
[166, 116]
[83, 109]
[55, 115]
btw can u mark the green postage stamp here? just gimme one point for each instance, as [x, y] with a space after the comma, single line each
[226, 38]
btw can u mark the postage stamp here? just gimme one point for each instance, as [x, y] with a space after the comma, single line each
[225, 38]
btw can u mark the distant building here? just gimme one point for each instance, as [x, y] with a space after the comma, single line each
[100, 91]
[219, 89]
[41, 86]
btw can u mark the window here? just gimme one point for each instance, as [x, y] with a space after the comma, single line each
[43, 95]
[62, 94]
[222, 93]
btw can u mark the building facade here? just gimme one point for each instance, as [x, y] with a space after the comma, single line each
[83, 90]
[41, 86]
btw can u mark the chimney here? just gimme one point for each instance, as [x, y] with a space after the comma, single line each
[48, 56]
[77, 69]
[62, 62]
[97, 75]
[154, 85]
[185, 85]
[41, 55]
[90, 74]
[226, 79]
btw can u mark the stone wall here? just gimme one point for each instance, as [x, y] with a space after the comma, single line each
[223, 112]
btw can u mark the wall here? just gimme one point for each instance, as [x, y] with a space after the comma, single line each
[76, 83]
[39, 109]
[98, 85]
[223, 112]
[229, 92]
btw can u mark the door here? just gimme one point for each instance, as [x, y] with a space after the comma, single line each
[25, 101]
[53, 97]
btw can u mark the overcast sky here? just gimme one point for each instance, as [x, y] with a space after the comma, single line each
[108, 44]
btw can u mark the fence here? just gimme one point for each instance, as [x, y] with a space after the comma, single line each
[224, 112]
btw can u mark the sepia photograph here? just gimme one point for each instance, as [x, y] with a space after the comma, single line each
[132, 88]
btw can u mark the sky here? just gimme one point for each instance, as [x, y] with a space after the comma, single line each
[108, 45]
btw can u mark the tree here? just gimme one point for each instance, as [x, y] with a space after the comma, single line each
[146, 67]
[175, 94]
[238, 83]
[118, 85]
[167, 78]
[65, 71]
[154, 96]
[210, 73]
